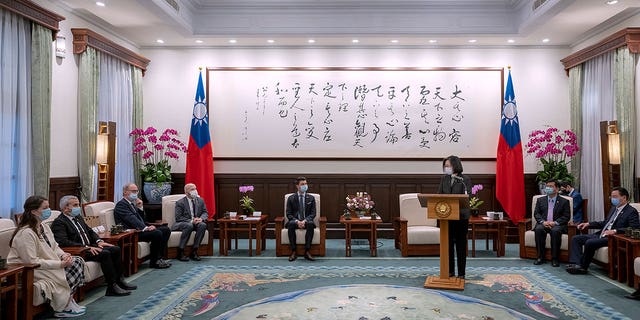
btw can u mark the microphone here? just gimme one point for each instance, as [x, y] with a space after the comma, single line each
[461, 179]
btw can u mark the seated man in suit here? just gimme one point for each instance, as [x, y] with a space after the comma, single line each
[301, 211]
[129, 212]
[191, 214]
[584, 246]
[69, 229]
[552, 215]
[568, 190]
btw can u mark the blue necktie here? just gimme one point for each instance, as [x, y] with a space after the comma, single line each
[301, 210]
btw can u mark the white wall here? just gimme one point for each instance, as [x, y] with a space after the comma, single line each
[541, 88]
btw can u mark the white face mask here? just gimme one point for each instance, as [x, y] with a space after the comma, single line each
[448, 171]
[193, 193]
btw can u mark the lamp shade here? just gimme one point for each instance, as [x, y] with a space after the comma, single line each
[102, 149]
[614, 148]
[61, 46]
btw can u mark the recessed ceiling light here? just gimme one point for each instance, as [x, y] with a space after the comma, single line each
[545, 40]
[511, 41]
[433, 41]
[160, 41]
[101, 4]
[355, 41]
[271, 41]
[472, 41]
[610, 2]
[394, 41]
[199, 41]
[233, 40]
[311, 41]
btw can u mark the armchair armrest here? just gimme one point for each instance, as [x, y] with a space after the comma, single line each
[159, 223]
[75, 250]
[279, 223]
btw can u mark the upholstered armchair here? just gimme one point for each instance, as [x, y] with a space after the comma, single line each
[318, 247]
[528, 237]
[169, 216]
[604, 255]
[415, 234]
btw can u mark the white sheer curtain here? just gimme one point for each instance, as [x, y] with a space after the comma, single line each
[597, 105]
[115, 103]
[16, 172]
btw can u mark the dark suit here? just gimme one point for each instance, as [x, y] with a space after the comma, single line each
[577, 206]
[628, 217]
[184, 221]
[294, 215]
[457, 228]
[561, 216]
[67, 235]
[131, 217]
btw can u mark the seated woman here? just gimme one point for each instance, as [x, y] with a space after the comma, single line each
[59, 274]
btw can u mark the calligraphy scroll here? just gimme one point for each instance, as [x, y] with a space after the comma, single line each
[351, 112]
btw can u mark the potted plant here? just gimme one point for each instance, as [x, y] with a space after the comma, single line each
[475, 202]
[246, 203]
[554, 149]
[361, 203]
[156, 150]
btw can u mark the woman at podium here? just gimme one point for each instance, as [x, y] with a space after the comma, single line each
[454, 182]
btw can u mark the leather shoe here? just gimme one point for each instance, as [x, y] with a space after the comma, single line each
[115, 290]
[635, 295]
[577, 270]
[124, 285]
[195, 256]
[308, 256]
[183, 258]
[165, 262]
[160, 265]
[538, 262]
[555, 263]
[293, 256]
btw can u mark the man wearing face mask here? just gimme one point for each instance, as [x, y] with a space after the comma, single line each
[301, 211]
[584, 246]
[191, 214]
[70, 230]
[552, 213]
[568, 190]
[129, 212]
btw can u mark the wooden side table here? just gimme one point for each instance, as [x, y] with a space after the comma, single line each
[128, 243]
[9, 282]
[497, 228]
[249, 224]
[622, 252]
[356, 224]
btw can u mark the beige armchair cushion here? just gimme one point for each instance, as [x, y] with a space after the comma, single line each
[420, 229]
[636, 266]
[169, 216]
[103, 210]
[7, 227]
[530, 236]
[299, 232]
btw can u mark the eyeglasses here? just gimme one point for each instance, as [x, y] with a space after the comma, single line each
[134, 191]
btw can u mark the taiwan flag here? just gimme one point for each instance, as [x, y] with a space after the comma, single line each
[199, 153]
[509, 164]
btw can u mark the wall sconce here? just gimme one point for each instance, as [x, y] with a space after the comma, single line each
[61, 46]
[614, 144]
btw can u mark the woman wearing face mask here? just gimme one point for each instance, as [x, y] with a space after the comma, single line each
[59, 274]
[454, 182]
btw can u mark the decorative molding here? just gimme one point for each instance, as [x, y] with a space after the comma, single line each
[86, 37]
[629, 37]
[34, 13]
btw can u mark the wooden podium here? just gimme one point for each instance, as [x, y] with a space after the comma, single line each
[444, 207]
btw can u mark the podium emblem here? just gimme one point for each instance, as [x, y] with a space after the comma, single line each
[443, 209]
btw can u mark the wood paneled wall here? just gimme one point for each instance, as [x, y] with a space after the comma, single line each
[60, 187]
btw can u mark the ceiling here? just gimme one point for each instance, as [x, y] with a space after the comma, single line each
[353, 23]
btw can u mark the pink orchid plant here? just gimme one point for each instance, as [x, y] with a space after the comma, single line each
[475, 202]
[246, 203]
[156, 150]
[554, 149]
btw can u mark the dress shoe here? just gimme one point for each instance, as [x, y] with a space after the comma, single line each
[165, 262]
[124, 285]
[461, 277]
[635, 295]
[577, 270]
[538, 262]
[115, 290]
[308, 256]
[293, 256]
[570, 265]
[160, 264]
[195, 256]
[182, 257]
[555, 263]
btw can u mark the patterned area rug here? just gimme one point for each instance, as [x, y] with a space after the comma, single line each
[317, 292]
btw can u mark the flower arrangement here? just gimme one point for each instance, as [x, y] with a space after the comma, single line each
[361, 202]
[475, 202]
[156, 151]
[246, 203]
[555, 150]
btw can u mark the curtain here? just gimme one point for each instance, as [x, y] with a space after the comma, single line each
[624, 68]
[597, 105]
[575, 107]
[88, 75]
[41, 56]
[115, 103]
[16, 173]
[136, 81]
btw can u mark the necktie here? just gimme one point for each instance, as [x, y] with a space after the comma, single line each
[301, 208]
[83, 235]
[193, 208]
[611, 222]
[550, 210]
